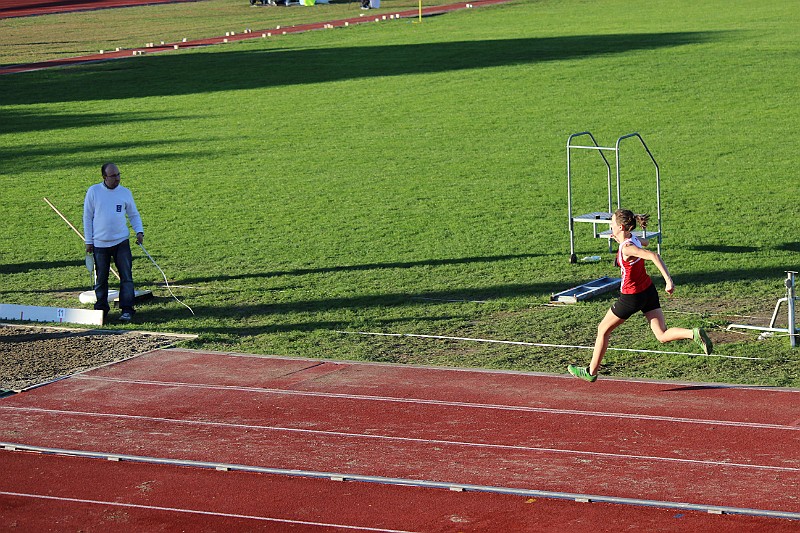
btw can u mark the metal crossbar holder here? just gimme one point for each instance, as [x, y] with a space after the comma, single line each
[790, 299]
[775, 312]
[593, 218]
[606, 148]
[649, 235]
[597, 218]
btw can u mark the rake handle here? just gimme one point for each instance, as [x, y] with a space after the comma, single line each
[73, 228]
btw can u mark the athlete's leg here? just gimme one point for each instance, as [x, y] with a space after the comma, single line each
[604, 329]
[659, 327]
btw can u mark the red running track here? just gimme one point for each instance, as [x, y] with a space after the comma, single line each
[673, 446]
[42, 492]
[27, 8]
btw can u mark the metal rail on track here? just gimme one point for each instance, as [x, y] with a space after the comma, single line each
[457, 487]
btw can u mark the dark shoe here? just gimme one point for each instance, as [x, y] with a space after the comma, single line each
[125, 317]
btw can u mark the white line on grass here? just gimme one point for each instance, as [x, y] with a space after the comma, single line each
[540, 344]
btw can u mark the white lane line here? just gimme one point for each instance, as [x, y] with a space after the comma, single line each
[197, 511]
[490, 371]
[422, 401]
[392, 438]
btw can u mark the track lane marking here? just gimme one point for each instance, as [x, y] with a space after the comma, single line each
[392, 438]
[198, 511]
[489, 371]
[446, 403]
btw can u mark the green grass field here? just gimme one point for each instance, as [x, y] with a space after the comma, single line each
[411, 178]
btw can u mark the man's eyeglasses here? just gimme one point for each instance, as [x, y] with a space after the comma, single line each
[113, 175]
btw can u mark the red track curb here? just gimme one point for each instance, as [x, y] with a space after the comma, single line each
[28, 8]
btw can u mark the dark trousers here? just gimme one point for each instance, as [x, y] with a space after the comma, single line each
[123, 259]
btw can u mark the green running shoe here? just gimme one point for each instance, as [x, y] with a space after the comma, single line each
[701, 337]
[581, 372]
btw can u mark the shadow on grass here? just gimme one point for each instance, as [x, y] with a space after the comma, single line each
[372, 301]
[330, 326]
[357, 268]
[744, 274]
[690, 278]
[20, 268]
[733, 249]
[723, 249]
[690, 388]
[169, 74]
[37, 335]
[29, 158]
[21, 121]
[423, 298]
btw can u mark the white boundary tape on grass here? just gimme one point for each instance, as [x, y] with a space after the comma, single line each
[539, 344]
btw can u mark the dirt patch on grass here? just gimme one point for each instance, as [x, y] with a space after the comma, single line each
[34, 355]
[725, 310]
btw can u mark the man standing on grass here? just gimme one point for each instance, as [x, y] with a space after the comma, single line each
[106, 233]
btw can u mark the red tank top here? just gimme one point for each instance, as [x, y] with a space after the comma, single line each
[634, 276]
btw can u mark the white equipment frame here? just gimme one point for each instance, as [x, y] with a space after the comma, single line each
[604, 217]
[790, 299]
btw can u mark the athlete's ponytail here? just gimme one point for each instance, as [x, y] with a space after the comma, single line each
[628, 220]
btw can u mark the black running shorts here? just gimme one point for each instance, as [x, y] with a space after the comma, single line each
[644, 301]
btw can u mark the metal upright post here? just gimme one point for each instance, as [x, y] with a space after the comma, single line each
[791, 297]
[593, 218]
[658, 183]
[790, 304]
[600, 218]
